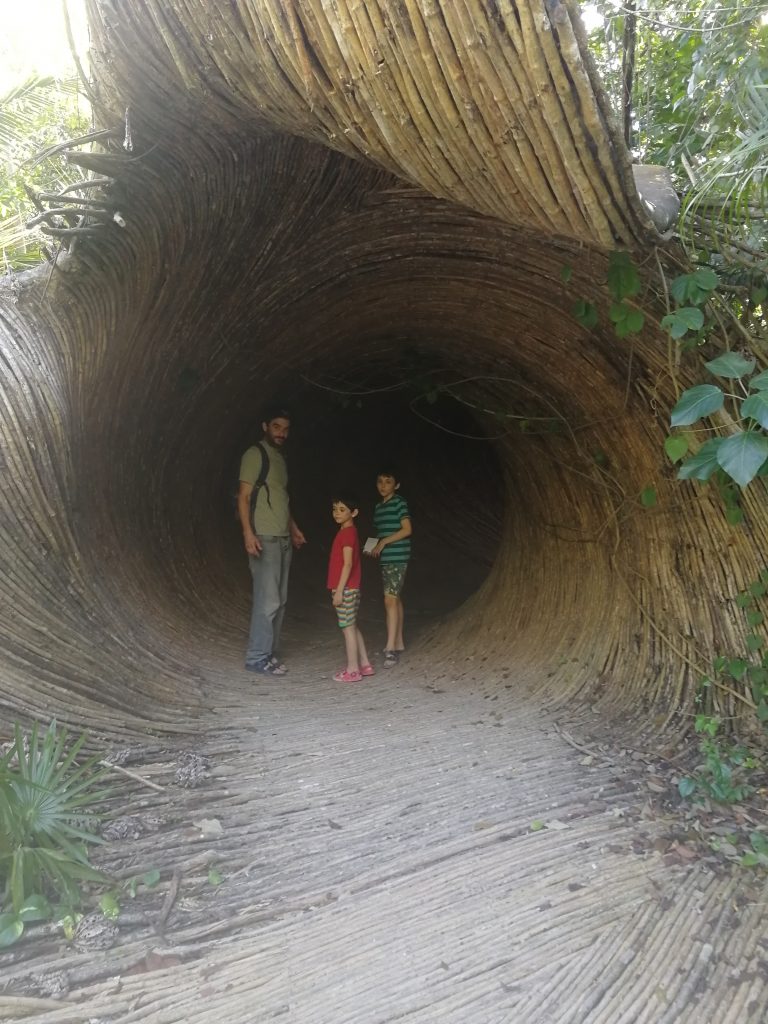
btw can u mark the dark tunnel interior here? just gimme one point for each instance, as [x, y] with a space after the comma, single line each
[341, 436]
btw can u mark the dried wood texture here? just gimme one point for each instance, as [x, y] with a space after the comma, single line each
[490, 105]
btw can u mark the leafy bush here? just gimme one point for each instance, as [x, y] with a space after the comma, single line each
[47, 818]
[723, 774]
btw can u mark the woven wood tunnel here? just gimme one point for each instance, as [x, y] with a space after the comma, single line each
[364, 209]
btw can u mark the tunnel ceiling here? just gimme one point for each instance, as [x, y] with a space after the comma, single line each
[318, 199]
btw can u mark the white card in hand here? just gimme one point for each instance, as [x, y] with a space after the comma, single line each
[370, 544]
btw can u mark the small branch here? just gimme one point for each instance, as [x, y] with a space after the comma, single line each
[69, 232]
[63, 211]
[628, 69]
[170, 899]
[86, 183]
[132, 775]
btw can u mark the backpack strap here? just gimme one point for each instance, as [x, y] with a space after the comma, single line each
[261, 481]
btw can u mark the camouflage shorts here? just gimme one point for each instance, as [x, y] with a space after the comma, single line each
[393, 577]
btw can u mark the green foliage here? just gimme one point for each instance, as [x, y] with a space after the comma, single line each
[676, 448]
[626, 319]
[702, 400]
[585, 313]
[623, 279]
[34, 115]
[648, 497]
[699, 107]
[683, 320]
[744, 454]
[723, 775]
[47, 818]
[694, 289]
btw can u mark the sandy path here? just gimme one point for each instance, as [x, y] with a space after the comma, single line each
[414, 850]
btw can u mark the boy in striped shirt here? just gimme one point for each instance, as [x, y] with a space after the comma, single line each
[392, 523]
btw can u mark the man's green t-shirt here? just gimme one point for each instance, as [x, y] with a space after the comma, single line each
[271, 515]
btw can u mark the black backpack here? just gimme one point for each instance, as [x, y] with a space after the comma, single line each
[261, 481]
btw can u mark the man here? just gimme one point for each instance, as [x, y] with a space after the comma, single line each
[268, 534]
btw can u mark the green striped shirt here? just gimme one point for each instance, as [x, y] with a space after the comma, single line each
[387, 519]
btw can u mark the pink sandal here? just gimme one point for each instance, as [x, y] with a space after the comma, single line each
[367, 670]
[347, 677]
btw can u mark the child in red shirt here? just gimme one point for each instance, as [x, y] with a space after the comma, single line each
[344, 584]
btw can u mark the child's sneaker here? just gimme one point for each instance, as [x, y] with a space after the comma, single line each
[347, 677]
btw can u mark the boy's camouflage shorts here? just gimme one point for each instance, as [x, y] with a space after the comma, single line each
[393, 577]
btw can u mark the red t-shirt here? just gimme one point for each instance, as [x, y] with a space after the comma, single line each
[345, 538]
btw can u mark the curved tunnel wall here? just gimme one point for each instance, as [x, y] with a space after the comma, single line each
[133, 372]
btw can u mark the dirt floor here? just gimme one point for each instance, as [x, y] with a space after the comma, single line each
[428, 846]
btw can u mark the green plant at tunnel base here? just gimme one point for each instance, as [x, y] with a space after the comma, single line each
[751, 668]
[723, 774]
[47, 816]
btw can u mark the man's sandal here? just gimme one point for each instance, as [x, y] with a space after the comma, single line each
[266, 668]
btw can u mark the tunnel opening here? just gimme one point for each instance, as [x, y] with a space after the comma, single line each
[288, 271]
[352, 416]
[396, 326]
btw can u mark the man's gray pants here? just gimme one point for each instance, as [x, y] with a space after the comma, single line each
[269, 573]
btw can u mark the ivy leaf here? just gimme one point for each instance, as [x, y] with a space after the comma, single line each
[760, 381]
[742, 455]
[626, 319]
[696, 402]
[676, 447]
[756, 407]
[754, 642]
[731, 365]
[648, 497]
[683, 320]
[35, 908]
[585, 313]
[695, 287]
[755, 618]
[566, 273]
[705, 279]
[737, 667]
[11, 927]
[686, 787]
[734, 516]
[623, 280]
[703, 464]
